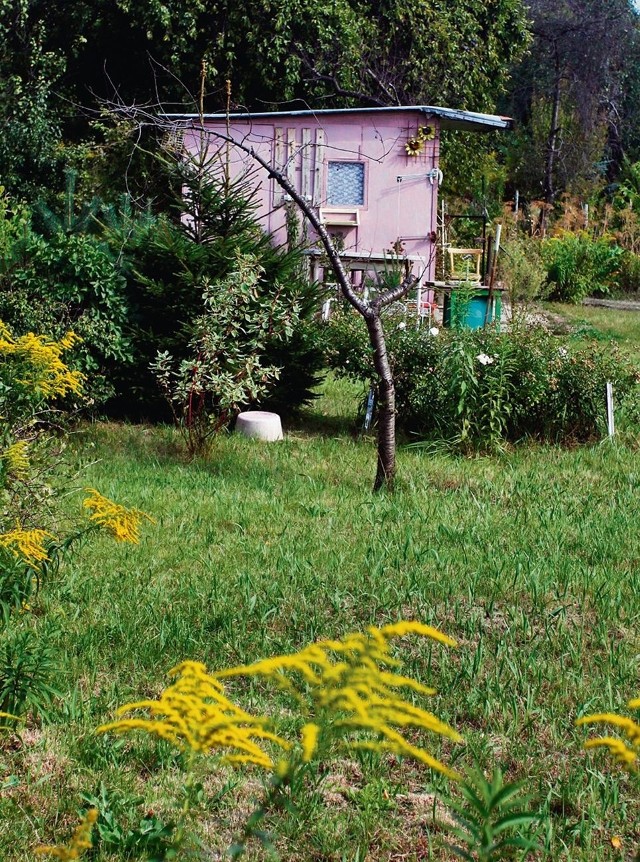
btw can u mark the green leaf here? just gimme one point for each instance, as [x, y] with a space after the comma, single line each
[511, 820]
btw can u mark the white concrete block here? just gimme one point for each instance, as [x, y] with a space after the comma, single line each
[260, 425]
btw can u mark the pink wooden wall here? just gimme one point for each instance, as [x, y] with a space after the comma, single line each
[400, 196]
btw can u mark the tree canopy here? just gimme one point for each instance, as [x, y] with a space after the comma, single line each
[566, 69]
[58, 59]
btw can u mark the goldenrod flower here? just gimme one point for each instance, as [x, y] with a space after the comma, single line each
[194, 714]
[80, 842]
[347, 680]
[15, 459]
[620, 752]
[412, 627]
[309, 741]
[627, 755]
[26, 545]
[121, 522]
[42, 368]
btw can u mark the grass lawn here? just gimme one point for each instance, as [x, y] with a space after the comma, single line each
[589, 321]
[530, 560]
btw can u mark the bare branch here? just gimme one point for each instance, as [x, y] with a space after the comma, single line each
[308, 212]
[338, 89]
[388, 89]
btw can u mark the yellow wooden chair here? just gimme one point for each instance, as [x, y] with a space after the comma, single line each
[464, 264]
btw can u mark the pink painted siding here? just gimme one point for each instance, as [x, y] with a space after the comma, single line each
[400, 199]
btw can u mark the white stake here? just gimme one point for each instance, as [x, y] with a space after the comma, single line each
[610, 422]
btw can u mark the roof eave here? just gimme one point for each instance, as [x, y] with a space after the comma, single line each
[450, 118]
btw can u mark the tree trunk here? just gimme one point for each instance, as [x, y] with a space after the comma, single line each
[386, 464]
[549, 192]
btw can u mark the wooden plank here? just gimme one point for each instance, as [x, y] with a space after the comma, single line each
[279, 160]
[292, 152]
[305, 185]
[319, 171]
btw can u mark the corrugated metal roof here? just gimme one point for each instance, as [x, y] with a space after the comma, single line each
[450, 118]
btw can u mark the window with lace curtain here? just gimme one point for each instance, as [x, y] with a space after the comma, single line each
[345, 184]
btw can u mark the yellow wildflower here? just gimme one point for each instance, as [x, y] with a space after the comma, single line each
[627, 755]
[69, 340]
[80, 842]
[121, 522]
[620, 752]
[41, 367]
[26, 545]
[412, 627]
[194, 714]
[348, 680]
[15, 459]
[309, 741]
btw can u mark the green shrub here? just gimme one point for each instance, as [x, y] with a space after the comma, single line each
[224, 371]
[477, 389]
[167, 261]
[579, 265]
[62, 282]
[490, 822]
[27, 665]
[629, 276]
[522, 271]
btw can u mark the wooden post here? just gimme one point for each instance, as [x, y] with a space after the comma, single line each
[494, 266]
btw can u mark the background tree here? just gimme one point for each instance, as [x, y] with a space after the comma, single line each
[567, 94]
[30, 114]
[169, 259]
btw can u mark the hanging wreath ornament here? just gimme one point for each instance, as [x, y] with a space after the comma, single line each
[416, 142]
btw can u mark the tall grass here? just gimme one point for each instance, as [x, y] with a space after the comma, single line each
[530, 560]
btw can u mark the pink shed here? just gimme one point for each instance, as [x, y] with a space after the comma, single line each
[354, 168]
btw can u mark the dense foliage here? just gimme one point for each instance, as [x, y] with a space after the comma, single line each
[173, 263]
[479, 389]
[580, 265]
[344, 53]
[67, 280]
[132, 284]
[223, 370]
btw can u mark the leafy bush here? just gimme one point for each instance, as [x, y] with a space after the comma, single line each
[169, 259]
[224, 370]
[480, 388]
[26, 667]
[522, 271]
[629, 276]
[148, 837]
[490, 821]
[61, 282]
[579, 265]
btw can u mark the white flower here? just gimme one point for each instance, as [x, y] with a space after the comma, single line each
[562, 351]
[434, 330]
[402, 325]
[483, 359]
